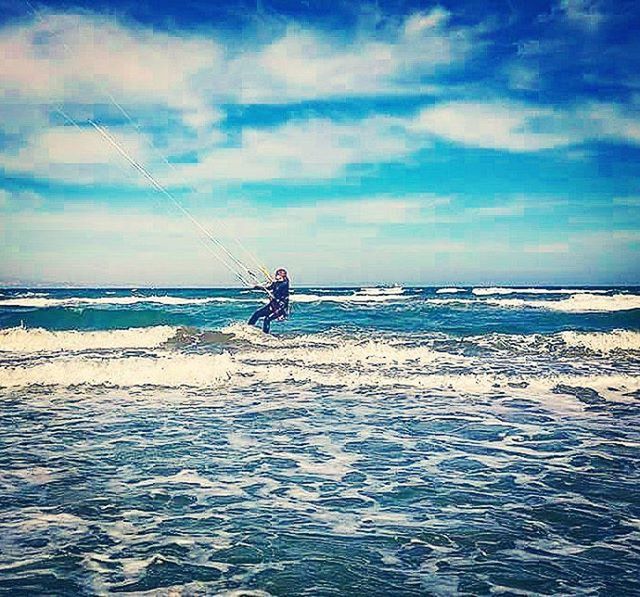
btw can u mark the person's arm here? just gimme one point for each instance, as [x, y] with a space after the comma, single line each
[267, 288]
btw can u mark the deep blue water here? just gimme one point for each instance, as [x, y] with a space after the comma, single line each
[380, 442]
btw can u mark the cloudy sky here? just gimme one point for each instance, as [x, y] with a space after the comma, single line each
[461, 142]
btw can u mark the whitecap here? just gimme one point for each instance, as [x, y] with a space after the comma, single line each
[166, 370]
[20, 339]
[501, 290]
[577, 303]
[603, 342]
[115, 300]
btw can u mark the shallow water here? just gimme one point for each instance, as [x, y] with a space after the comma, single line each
[387, 444]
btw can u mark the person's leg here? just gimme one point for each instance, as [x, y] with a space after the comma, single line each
[262, 312]
[266, 324]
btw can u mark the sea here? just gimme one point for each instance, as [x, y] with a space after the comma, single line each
[381, 441]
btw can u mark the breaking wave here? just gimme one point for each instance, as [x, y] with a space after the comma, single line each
[315, 361]
[337, 348]
[452, 290]
[603, 342]
[367, 295]
[208, 371]
[114, 300]
[21, 339]
[168, 370]
[501, 290]
[577, 303]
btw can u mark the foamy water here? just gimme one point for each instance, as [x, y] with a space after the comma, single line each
[604, 342]
[247, 357]
[500, 290]
[44, 302]
[382, 441]
[20, 339]
[576, 303]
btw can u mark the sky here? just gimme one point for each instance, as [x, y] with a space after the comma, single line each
[448, 143]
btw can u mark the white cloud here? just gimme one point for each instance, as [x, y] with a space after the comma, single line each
[84, 59]
[318, 148]
[526, 128]
[309, 64]
[420, 22]
[369, 211]
[80, 156]
[496, 125]
[300, 149]
[315, 148]
[601, 120]
[586, 14]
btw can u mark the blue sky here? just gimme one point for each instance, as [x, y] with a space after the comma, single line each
[458, 142]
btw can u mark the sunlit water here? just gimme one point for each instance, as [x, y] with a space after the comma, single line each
[382, 442]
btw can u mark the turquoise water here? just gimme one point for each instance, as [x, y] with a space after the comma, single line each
[381, 442]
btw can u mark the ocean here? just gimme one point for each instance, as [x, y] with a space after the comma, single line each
[382, 441]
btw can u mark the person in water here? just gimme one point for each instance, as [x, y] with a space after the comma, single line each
[278, 306]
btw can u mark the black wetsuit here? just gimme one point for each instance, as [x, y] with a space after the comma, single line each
[278, 306]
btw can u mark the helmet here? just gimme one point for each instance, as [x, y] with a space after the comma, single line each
[281, 272]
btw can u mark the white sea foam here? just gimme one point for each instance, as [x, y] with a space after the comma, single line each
[603, 342]
[577, 303]
[114, 300]
[501, 290]
[342, 348]
[371, 353]
[452, 290]
[190, 477]
[305, 298]
[599, 342]
[21, 339]
[167, 370]
[173, 370]
[78, 301]
[46, 519]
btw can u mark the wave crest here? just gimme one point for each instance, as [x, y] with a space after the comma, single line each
[603, 342]
[20, 339]
[577, 303]
[115, 300]
[170, 370]
[500, 290]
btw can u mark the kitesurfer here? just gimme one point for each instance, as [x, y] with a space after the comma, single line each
[278, 306]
